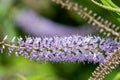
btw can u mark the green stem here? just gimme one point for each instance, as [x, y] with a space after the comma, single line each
[45, 48]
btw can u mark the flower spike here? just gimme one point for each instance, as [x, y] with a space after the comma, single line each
[63, 49]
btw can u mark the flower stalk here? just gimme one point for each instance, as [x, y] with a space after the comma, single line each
[106, 67]
[106, 27]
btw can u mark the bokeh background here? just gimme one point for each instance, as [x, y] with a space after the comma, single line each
[43, 18]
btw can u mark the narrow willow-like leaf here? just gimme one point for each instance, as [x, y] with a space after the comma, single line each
[111, 4]
[106, 7]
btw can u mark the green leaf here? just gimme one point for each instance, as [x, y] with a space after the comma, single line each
[9, 28]
[117, 77]
[4, 7]
[42, 77]
[109, 3]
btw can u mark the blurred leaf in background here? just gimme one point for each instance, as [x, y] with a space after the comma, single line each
[117, 77]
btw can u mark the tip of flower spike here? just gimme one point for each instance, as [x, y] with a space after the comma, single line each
[2, 47]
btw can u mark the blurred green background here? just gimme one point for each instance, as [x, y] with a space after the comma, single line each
[18, 68]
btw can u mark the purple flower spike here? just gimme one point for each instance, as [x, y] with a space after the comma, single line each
[71, 49]
[66, 49]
